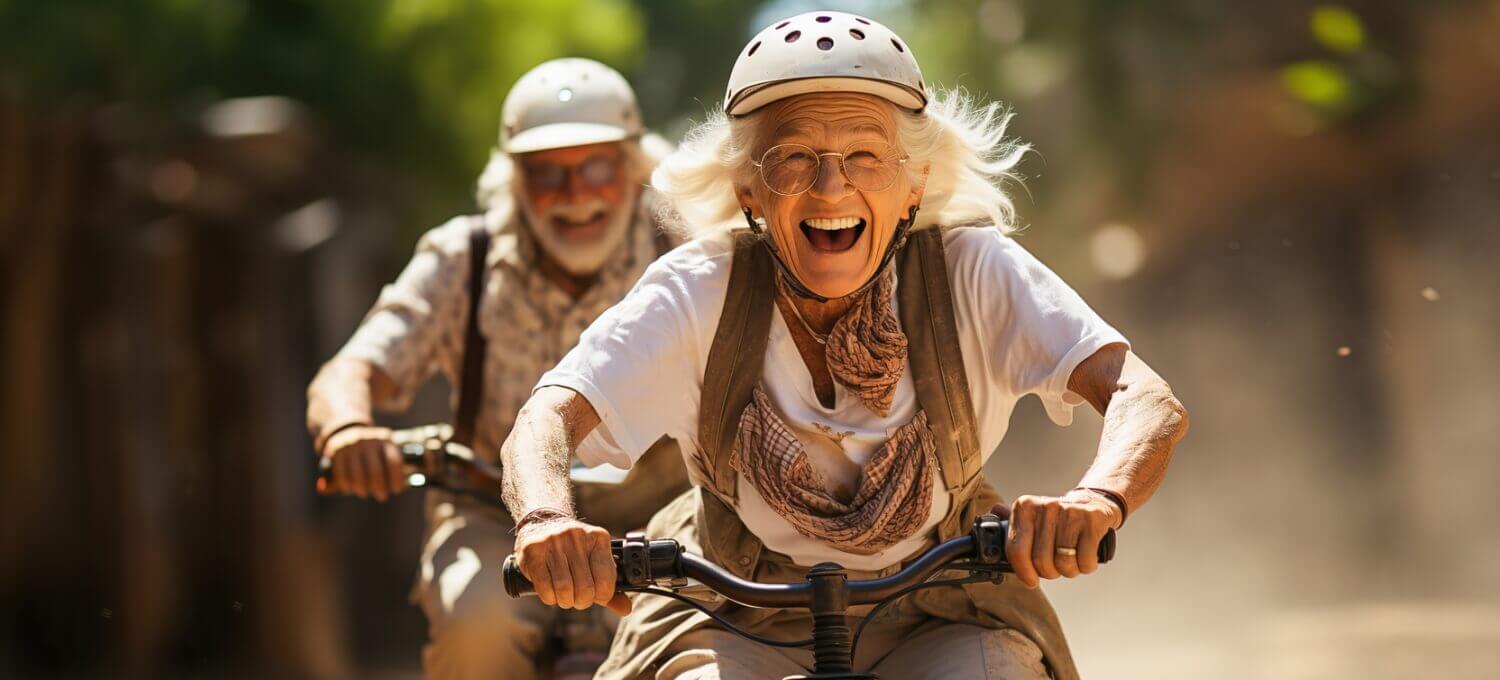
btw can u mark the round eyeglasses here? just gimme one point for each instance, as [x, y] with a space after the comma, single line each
[791, 169]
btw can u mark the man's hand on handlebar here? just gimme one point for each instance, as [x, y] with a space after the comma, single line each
[570, 564]
[1052, 537]
[365, 463]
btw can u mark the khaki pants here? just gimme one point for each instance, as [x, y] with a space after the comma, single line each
[901, 648]
[476, 630]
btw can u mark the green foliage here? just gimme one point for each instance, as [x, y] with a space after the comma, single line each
[1337, 28]
[1319, 83]
[414, 84]
[1356, 78]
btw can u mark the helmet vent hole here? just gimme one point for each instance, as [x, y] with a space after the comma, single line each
[753, 48]
[857, 34]
[782, 24]
[862, 20]
[793, 36]
[899, 48]
[825, 44]
[824, 19]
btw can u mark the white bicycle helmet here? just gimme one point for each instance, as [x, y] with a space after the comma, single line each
[568, 102]
[824, 52]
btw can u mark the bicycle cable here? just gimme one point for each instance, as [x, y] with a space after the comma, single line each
[988, 575]
[721, 620]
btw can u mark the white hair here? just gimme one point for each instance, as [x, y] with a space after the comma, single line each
[499, 184]
[962, 141]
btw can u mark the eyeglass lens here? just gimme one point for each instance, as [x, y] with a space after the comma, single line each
[595, 172]
[793, 168]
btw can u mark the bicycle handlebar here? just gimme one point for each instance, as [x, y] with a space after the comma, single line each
[436, 460]
[646, 564]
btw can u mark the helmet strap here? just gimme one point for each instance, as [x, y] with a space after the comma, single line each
[898, 241]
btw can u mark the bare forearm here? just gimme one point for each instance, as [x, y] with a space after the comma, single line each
[567, 560]
[1143, 421]
[338, 396]
[1058, 536]
[1141, 429]
[540, 447]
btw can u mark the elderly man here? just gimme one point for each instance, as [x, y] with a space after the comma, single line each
[838, 370]
[566, 232]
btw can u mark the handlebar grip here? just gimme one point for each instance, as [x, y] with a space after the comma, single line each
[516, 583]
[1002, 533]
[1107, 547]
[325, 475]
[324, 482]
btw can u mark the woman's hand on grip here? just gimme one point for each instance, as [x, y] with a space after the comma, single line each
[1057, 536]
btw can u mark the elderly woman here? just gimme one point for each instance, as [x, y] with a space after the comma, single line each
[837, 372]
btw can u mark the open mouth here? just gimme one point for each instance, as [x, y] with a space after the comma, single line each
[833, 234]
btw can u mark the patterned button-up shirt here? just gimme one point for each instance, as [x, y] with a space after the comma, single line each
[417, 326]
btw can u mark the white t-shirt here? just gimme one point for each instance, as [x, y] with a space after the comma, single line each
[641, 365]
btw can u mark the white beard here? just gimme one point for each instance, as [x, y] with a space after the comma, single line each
[580, 259]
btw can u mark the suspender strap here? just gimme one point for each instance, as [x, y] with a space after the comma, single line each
[471, 383]
[735, 360]
[937, 365]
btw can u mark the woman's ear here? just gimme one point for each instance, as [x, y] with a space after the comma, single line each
[746, 197]
[918, 186]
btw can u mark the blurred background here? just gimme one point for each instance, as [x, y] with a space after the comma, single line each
[1291, 208]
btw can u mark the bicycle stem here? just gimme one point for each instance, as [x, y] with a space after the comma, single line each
[833, 646]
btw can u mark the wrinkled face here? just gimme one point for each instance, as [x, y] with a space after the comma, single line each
[833, 234]
[578, 201]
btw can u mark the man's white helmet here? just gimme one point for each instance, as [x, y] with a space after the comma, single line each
[568, 102]
[824, 52]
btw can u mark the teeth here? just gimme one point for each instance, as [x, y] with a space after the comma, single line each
[579, 219]
[832, 223]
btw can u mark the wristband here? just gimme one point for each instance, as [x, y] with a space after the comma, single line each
[541, 514]
[323, 437]
[1114, 497]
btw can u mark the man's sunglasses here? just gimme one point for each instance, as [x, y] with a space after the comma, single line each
[595, 172]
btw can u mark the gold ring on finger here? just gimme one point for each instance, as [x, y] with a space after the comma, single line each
[1067, 552]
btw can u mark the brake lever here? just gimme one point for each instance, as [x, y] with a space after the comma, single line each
[633, 556]
[989, 540]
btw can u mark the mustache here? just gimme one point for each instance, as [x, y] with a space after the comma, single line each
[578, 212]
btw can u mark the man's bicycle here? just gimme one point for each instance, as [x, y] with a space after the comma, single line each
[661, 567]
[577, 640]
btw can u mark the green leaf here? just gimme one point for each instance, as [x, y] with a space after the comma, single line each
[1318, 83]
[1337, 28]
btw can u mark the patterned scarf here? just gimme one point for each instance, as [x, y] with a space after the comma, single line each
[867, 350]
[866, 354]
